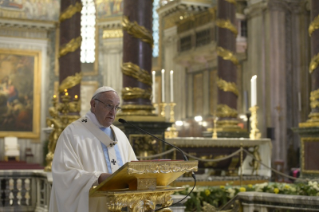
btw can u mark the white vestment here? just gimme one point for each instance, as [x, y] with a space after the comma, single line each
[78, 162]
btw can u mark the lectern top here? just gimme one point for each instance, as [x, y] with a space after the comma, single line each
[165, 172]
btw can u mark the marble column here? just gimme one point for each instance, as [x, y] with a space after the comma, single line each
[137, 57]
[227, 71]
[70, 42]
[137, 107]
[278, 55]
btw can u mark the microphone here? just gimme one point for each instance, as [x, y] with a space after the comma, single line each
[140, 129]
[185, 158]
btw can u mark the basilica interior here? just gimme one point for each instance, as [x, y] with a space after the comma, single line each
[210, 76]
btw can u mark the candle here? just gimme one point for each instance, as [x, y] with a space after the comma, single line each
[171, 85]
[163, 85]
[153, 86]
[54, 96]
[76, 97]
[253, 91]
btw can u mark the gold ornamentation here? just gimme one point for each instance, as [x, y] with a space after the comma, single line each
[231, 1]
[70, 11]
[190, 21]
[314, 63]
[140, 113]
[227, 86]
[146, 183]
[227, 24]
[313, 120]
[112, 33]
[162, 168]
[225, 111]
[314, 96]
[70, 82]
[135, 93]
[73, 45]
[138, 201]
[58, 121]
[254, 132]
[171, 131]
[145, 145]
[228, 125]
[314, 25]
[137, 31]
[162, 105]
[135, 71]
[227, 55]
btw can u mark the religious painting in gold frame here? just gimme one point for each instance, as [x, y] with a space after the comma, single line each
[20, 92]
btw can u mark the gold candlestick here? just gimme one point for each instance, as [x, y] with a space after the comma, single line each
[155, 105]
[254, 132]
[62, 114]
[172, 118]
[163, 105]
[215, 127]
[172, 132]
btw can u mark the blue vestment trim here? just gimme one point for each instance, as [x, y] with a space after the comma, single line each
[108, 131]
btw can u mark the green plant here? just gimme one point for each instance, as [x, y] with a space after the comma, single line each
[218, 196]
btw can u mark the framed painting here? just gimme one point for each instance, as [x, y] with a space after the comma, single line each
[20, 90]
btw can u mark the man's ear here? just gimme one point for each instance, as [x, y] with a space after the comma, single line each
[92, 103]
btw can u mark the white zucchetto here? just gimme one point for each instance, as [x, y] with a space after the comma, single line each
[102, 89]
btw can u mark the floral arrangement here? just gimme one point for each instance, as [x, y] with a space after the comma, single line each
[218, 196]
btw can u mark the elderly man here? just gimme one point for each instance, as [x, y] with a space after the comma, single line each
[88, 151]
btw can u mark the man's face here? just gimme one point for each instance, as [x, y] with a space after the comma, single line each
[104, 107]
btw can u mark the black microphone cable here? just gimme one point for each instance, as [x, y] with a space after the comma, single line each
[181, 151]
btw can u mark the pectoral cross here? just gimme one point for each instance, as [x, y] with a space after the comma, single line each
[113, 161]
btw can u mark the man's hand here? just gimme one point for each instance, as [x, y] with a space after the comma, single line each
[103, 177]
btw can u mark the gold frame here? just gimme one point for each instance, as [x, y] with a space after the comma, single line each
[35, 133]
[303, 140]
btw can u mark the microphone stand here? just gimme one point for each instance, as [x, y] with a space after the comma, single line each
[181, 151]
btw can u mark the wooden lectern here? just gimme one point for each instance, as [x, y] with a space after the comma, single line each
[140, 185]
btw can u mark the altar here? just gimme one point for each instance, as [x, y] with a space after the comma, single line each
[209, 148]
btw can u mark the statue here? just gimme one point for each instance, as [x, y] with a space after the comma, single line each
[57, 126]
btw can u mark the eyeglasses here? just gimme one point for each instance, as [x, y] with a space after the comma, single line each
[109, 106]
